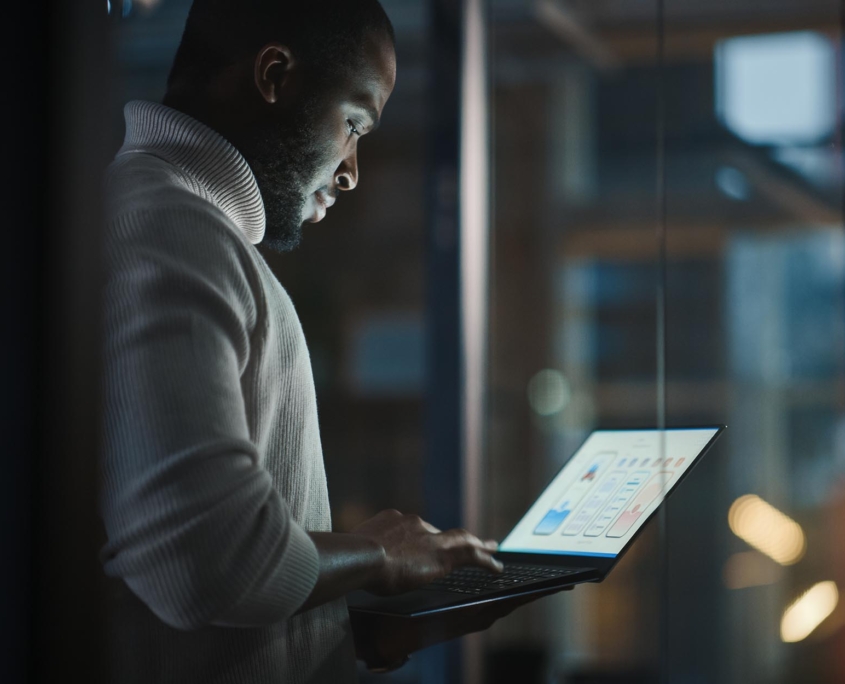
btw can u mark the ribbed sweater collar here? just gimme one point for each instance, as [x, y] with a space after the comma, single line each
[218, 170]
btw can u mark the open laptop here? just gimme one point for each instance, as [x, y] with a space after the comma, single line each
[579, 527]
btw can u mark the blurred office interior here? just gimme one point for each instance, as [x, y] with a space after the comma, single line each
[659, 190]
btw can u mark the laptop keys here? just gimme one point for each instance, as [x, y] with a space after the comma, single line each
[477, 581]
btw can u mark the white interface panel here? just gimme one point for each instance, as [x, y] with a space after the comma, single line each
[607, 491]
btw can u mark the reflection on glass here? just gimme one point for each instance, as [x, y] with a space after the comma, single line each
[746, 569]
[777, 88]
[755, 312]
[808, 611]
[767, 529]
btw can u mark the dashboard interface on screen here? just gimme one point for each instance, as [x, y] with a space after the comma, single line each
[606, 491]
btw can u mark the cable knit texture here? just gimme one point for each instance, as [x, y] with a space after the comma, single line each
[212, 463]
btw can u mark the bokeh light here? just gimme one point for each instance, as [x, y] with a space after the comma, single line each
[808, 611]
[549, 392]
[767, 529]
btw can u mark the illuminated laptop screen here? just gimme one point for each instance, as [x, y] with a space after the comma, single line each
[606, 491]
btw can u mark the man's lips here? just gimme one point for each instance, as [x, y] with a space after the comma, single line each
[323, 201]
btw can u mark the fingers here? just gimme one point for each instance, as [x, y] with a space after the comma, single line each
[467, 549]
[417, 521]
[485, 560]
[414, 520]
[428, 527]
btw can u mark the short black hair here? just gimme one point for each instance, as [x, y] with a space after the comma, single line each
[326, 35]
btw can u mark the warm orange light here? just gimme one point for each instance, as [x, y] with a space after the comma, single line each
[808, 611]
[767, 529]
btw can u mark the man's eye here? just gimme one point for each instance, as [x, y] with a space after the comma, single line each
[352, 128]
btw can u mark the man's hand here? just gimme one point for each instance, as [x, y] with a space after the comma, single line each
[416, 553]
[392, 553]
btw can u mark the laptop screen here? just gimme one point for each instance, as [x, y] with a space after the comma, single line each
[606, 491]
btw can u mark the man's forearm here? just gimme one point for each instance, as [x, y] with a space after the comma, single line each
[347, 562]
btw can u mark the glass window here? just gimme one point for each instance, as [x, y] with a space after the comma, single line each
[743, 583]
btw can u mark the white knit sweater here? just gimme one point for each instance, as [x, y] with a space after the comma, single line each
[212, 462]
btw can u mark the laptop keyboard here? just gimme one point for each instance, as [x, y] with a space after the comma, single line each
[472, 580]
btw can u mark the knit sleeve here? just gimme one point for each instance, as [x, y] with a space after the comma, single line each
[195, 527]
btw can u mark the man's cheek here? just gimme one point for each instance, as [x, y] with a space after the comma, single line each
[332, 160]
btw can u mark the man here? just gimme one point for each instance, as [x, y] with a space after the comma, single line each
[214, 498]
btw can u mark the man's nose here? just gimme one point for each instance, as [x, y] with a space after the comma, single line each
[346, 176]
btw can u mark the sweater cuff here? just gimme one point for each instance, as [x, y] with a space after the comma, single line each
[281, 594]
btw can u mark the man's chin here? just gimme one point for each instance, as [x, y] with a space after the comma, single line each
[283, 241]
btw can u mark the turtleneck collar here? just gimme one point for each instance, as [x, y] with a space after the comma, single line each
[218, 171]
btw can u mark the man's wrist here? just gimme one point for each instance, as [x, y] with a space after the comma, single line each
[348, 562]
[378, 557]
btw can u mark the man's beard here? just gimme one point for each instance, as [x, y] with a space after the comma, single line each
[285, 158]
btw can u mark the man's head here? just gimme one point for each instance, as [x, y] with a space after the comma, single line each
[292, 85]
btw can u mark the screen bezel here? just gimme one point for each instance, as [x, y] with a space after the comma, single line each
[605, 563]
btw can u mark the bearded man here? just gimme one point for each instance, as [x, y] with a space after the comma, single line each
[215, 503]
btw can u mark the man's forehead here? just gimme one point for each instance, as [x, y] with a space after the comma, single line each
[372, 83]
[378, 68]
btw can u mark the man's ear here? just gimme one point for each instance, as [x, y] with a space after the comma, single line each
[274, 68]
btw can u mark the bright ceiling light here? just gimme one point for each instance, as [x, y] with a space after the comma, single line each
[764, 527]
[777, 88]
[808, 612]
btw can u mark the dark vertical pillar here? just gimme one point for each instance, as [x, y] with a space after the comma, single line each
[25, 157]
[442, 470]
[67, 532]
[444, 351]
[55, 116]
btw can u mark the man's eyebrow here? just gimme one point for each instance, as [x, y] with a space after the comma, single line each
[372, 112]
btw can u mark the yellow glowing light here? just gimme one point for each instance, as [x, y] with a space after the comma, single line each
[808, 611]
[764, 527]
